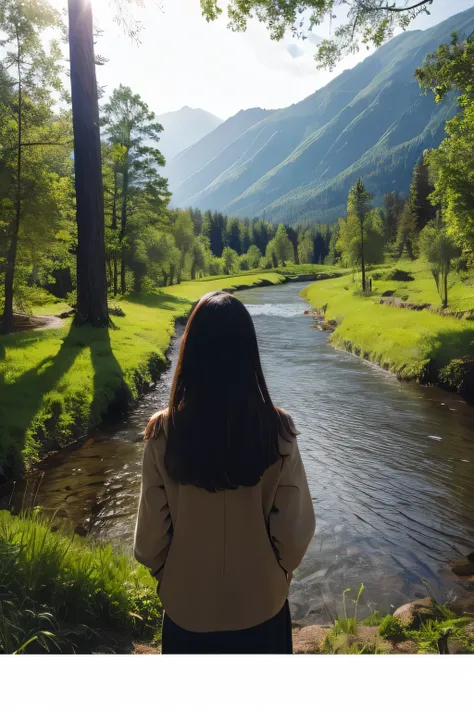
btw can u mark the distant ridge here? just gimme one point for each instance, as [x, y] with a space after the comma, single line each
[183, 128]
[299, 162]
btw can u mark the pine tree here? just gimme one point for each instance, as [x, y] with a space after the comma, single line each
[130, 124]
[359, 205]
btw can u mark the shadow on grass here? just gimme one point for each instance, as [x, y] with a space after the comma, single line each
[157, 301]
[33, 409]
[453, 344]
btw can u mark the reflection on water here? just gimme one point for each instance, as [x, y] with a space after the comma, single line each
[390, 466]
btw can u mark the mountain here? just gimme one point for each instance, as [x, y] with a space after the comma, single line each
[299, 162]
[183, 128]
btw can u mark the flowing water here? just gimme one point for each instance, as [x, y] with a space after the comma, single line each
[390, 467]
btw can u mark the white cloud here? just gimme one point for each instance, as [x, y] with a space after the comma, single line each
[184, 60]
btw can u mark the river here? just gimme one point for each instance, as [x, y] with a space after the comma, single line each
[390, 467]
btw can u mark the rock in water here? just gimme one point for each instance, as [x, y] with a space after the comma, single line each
[412, 614]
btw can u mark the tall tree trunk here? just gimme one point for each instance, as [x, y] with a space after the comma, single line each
[123, 223]
[445, 285]
[109, 273]
[7, 320]
[91, 272]
[123, 284]
[115, 274]
[362, 255]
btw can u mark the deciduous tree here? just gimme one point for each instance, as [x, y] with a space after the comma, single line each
[367, 22]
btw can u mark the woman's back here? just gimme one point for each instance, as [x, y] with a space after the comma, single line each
[222, 571]
[225, 512]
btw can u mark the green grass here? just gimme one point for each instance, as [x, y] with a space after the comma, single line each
[296, 269]
[412, 344]
[56, 385]
[63, 594]
[422, 290]
[373, 620]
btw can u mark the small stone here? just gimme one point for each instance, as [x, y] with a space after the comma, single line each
[310, 640]
[80, 531]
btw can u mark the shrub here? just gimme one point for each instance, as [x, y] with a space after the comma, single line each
[390, 628]
[396, 275]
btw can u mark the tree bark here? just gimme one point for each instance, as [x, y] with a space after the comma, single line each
[362, 256]
[123, 223]
[7, 320]
[115, 274]
[91, 269]
[123, 285]
[445, 280]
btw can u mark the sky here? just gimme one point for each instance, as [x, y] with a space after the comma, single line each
[184, 61]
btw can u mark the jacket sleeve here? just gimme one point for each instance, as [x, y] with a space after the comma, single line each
[153, 530]
[292, 522]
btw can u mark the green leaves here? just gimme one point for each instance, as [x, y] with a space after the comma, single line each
[366, 22]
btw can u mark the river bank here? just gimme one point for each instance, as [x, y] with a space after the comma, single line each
[82, 597]
[419, 343]
[56, 385]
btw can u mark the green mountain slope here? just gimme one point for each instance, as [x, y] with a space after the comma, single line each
[299, 162]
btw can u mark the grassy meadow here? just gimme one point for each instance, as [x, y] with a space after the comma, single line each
[413, 344]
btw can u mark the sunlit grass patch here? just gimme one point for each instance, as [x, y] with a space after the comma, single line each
[63, 593]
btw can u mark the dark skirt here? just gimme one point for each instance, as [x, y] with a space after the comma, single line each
[271, 637]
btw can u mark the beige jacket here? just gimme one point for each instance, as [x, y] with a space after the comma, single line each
[223, 561]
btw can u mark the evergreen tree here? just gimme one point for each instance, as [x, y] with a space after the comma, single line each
[293, 237]
[407, 230]
[393, 208]
[420, 190]
[130, 124]
[216, 235]
[359, 205]
[232, 234]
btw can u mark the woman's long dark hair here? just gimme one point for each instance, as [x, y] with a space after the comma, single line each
[223, 428]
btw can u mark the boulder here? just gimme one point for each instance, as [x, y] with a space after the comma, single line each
[463, 567]
[413, 613]
[463, 606]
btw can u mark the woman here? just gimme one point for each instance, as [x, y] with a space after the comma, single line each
[225, 512]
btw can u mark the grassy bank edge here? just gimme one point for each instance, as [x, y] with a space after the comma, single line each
[56, 386]
[414, 345]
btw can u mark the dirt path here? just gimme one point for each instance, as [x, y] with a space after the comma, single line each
[24, 322]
